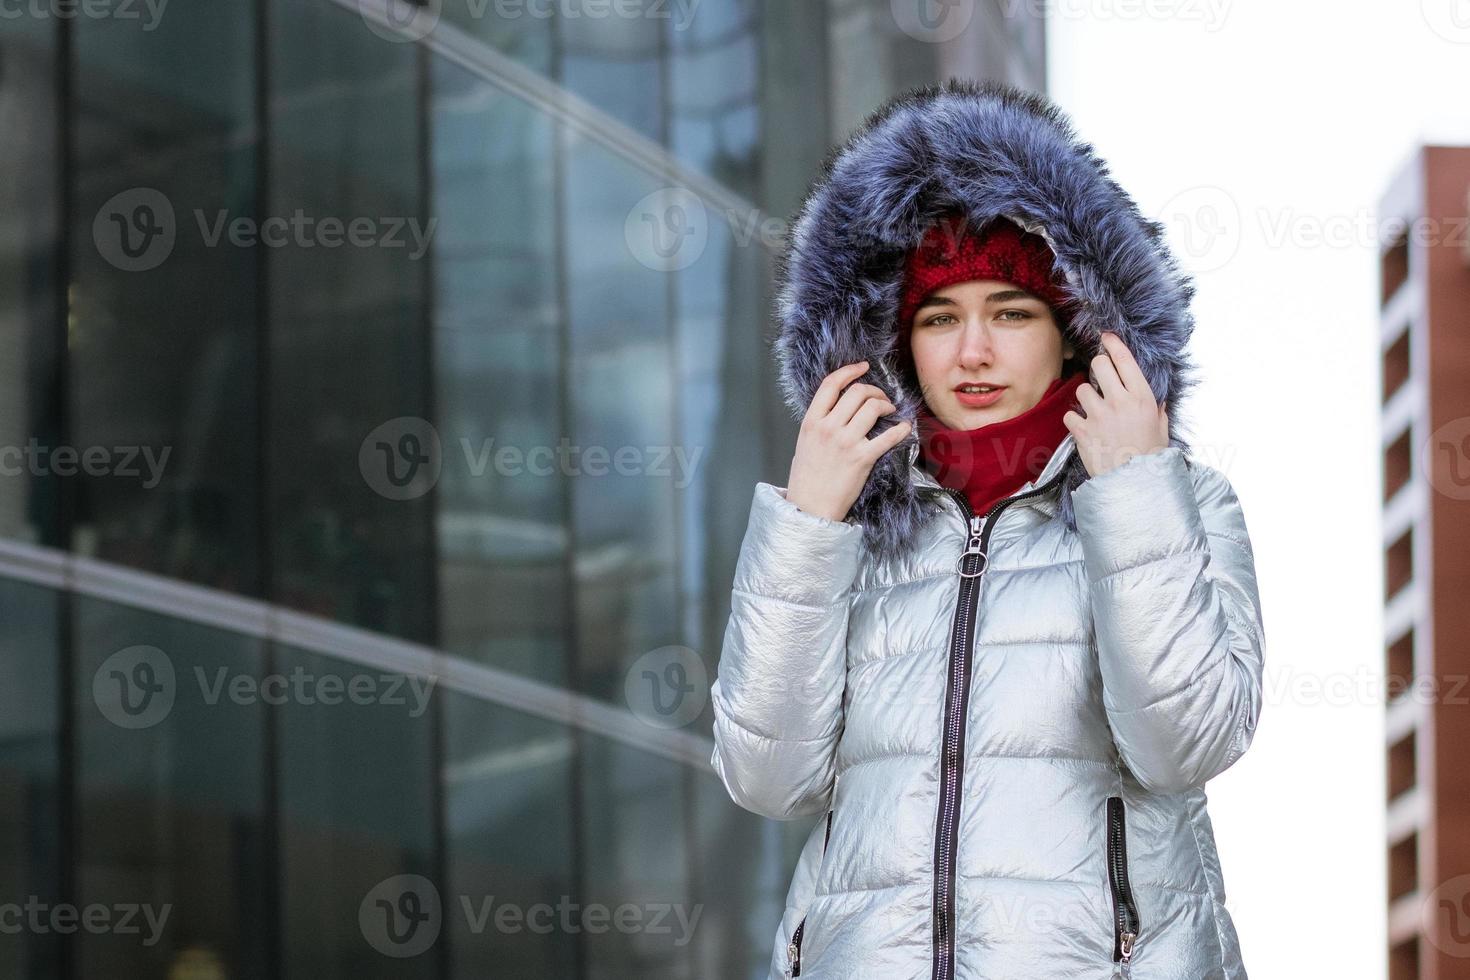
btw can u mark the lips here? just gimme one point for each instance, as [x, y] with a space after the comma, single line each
[979, 400]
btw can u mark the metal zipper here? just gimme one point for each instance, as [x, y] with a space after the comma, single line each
[956, 703]
[1125, 912]
[793, 948]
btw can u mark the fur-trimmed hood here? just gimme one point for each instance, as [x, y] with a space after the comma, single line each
[990, 150]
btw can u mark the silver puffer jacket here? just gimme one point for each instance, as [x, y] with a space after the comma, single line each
[1006, 725]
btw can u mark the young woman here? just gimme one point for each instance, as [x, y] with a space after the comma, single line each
[999, 628]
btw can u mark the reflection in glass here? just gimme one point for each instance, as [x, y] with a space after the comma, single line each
[507, 781]
[357, 791]
[171, 814]
[347, 352]
[163, 356]
[497, 333]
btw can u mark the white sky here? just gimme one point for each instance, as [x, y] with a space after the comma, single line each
[1278, 125]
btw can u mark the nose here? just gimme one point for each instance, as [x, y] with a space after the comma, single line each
[976, 350]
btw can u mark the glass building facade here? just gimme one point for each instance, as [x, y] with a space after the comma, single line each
[382, 392]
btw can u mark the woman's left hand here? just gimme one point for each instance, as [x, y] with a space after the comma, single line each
[1122, 422]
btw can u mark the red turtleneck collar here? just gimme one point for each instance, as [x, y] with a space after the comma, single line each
[995, 460]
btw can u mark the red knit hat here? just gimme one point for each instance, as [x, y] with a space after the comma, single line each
[950, 252]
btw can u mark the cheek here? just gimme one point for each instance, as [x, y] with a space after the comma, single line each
[928, 357]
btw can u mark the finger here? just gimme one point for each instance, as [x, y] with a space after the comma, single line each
[1106, 374]
[867, 414]
[1073, 422]
[890, 437]
[1130, 371]
[831, 388]
[1089, 399]
[852, 399]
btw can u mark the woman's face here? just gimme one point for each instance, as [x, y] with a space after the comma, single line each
[987, 333]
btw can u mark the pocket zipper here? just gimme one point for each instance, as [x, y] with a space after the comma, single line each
[1125, 912]
[793, 948]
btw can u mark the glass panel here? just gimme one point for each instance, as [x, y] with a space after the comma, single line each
[636, 855]
[357, 788]
[162, 323]
[611, 56]
[621, 390]
[721, 305]
[743, 865]
[508, 784]
[518, 28]
[170, 796]
[502, 526]
[28, 317]
[353, 462]
[714, 94]
[29, 772]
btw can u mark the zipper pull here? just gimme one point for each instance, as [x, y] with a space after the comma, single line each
[972, 547]
[793, 952]
[1126, 946]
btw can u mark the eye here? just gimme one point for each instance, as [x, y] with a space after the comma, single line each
[937, 317]
[1020, 315]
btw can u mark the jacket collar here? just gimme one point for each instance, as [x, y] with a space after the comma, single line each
[1044, 502]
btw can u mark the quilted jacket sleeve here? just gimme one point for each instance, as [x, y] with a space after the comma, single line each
[1177, 616]
[778, 695]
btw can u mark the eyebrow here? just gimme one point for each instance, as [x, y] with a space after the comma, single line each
[999, 296]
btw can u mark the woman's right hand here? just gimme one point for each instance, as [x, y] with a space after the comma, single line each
[833, 452]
